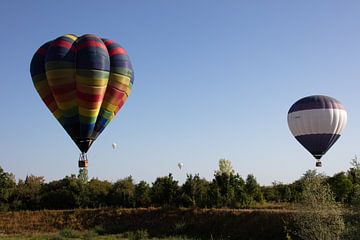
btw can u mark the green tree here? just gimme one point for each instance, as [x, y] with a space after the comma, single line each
[66, 193]
[318, 215]
[228, 189]
[341, 186]
[278, 192]
[122, 193]
[83, 175]
[28, 192]
[165, 191]
[194, 192]
[96, 193]
[214, 196]
[253, 188]
[353, 230]
[7, 188]
[142, 194]
[242, 199]
[224, 193]
[284, 192]
[225, 188]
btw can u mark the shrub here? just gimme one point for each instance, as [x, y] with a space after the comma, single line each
[137, 235]
[318, 215]
[69, 233]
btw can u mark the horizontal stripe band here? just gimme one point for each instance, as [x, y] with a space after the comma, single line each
[88, 112]
[71, 112]
[121, 87]
[87, 120]
[48, 99]
[108, 106]
[316, 102]
[58, 65]
[105, 114]
[66, 96]
[90, 43]
[42, 85]
[52, 106]
[57, 114]
[88, 105]
[99, 82]
[64, 88]
[39, 77]
[60, 74]
[62, 43]
[317, 121]
[115, 98]
[318, 144]
[91, 89]
[66, 104]
[92, 73]
[116, 51]
[71, 36]
[119, 78]
[90, 97]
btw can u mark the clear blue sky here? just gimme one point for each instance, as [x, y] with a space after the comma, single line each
[213, 79]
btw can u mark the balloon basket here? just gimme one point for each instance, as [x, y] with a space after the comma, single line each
[318, 164]
[83, 164]
[83, 161]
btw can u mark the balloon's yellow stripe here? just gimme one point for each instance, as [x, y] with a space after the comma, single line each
[91, 81]
[95, 90]
[88, 112]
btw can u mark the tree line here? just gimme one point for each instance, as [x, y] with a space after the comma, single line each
[227, 189]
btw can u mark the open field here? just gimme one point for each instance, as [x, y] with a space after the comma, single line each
[83, 235]
[154, 222]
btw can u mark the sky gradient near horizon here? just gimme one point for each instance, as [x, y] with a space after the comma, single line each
[213, 79]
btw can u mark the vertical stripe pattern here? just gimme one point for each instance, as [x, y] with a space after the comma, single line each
[84, 81]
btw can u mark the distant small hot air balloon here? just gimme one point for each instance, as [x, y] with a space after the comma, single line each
[317, 122]
[180, 165]
[113, 145]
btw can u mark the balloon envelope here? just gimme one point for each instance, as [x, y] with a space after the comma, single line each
[180, 165]
[317, 122]
[114, 145]
[84, 81]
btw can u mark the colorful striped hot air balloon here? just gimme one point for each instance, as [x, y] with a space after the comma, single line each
[317, 122]
[84, 81]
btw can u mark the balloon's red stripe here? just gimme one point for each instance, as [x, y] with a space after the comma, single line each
[88, 104]
[63, 89]
[90, 97]
[41, 51]
[91, 43]
[48, 99]
[108, 42]
[117, 51]
[62, 43]
[112, 91]
[119, 106]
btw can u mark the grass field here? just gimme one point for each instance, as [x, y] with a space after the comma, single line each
[151, 223]
[87, 235]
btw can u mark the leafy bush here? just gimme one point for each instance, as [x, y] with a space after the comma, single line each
[318, 215]
[99, 230]
[69, 233]
[137, 235]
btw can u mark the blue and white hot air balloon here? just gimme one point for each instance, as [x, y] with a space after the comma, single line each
[317, 122]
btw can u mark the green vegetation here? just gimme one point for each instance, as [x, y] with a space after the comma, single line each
[318, 215]
[89, 235]
[313, 207]
[227, 189]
